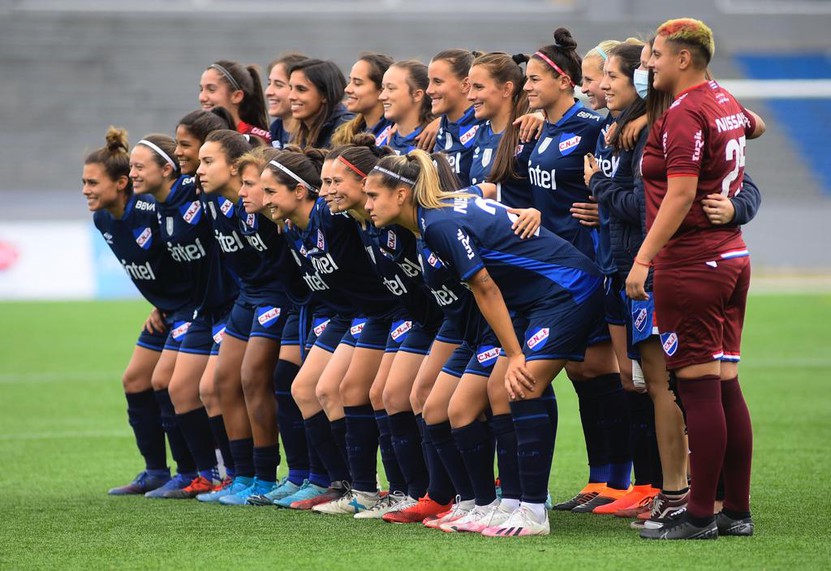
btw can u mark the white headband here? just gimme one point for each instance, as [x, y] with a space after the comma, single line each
[395, 175]
[292, 175]
[160, 152]
[227, 75]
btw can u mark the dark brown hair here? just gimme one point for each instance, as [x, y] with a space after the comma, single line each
[114, 156]
[252, 108]
[563, 52]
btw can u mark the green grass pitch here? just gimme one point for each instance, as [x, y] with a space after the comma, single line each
[64, 441]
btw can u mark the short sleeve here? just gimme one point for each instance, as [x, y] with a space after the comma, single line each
[455, 246]
[683, 141]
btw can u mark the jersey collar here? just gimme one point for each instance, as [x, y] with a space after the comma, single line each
[578, 105]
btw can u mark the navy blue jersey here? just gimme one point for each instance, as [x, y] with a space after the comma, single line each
[259, 277]
[279, 136]
[189, 238]
[455, 139]
[555, 171]
[514, 192]
[452, 296]
[136, 241]
[475, 233]
[403, 144]
[394, 254]
[608, 163]
[335, 266]
[382, 131]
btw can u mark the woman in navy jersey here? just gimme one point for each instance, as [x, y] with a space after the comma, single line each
[362, 90]
[192, 131]
[695, 149]
[256, 254]
[277, 99]
[131, 229]
[406, 103]
[476, 239]
[188, 237]
[555, 171]
[448, 89]
[315, 98]
[238, 89]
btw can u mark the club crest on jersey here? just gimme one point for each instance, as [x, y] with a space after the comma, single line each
[191, 213]
[468, 135]
[519, 149]
[319, 326]
[168, 225]
[569, 142]
[392, 240]
[321, 242]
[487, 355]
[670, 343]
[251, 221]
[640, 319]
[144, 238]
[268, 316]
[357, 328]
[218, 333]
[537, 339]
[544, 145]
[400, 329]
[383, 137]
[179, 329]
[448, 141]
[487, 155]
[226, 207]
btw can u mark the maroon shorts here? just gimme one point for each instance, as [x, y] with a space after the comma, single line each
[700, 309]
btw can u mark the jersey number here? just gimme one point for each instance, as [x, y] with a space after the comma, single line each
[733, 152]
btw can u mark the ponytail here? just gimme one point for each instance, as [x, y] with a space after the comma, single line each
[252, 109]
[114, 156]
[417, 171]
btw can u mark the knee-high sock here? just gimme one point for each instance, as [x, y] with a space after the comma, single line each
[439, 487]
[392, 469]
[441, 436]
[739, 452]
[590, 400]
[221, 441]
[185, 464]
[707, 431]
[243, 452]
[290, 422]
[614, 420]
[535, 447]
[502, 426]
[145, 419]
[319, 430]
[475, 446]
[406, 443]
[362, 446]
[266, 460]
[196, 429]
[641, 432]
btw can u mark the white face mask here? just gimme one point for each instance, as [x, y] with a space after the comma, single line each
[641, 81]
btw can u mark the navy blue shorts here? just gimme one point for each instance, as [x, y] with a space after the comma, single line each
[204, 336]
[368, 333]
[409, 337]
[153, 341]
[561, 331]
[613, 303]
[326, 332]
[247, 320]
[457, 363]
[449, 333]
[291, 329]
[641, 325]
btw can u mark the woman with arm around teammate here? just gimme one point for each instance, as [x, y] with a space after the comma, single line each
[697, 148]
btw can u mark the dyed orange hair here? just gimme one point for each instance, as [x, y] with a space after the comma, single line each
[692, 34]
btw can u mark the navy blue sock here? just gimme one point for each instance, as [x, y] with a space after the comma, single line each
[535, 447]
[502, 426]
[221, 441]
[589, 396]
[439, 487]
[290, 422]
[266, 460]
[243, 452]
[362, 446]
[321, 439]
[406, 441]
[392, 468]
[475, 446]
[442, 437]
[616, 426]
[146, 421]
[185, 463]
[197, 432]
[640, 407]
[338, 428]
[318, 475]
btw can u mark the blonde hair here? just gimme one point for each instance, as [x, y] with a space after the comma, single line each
[690, 33]
[417, 170]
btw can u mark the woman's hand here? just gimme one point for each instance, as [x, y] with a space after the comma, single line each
[635, 282]
[527, 222]
[719, 209]
[586, 213]
[426, 140]
[518, 379]
[155, 322]
[590, 167]
[530, 126]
